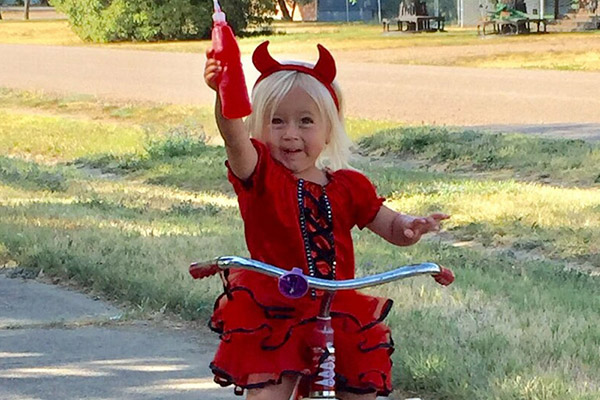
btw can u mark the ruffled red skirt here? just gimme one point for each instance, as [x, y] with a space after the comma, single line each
[264, 336]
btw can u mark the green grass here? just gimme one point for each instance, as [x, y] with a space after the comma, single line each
[507, 206]
[561, 223]
[20, 173]
[156, 117]
[561, 161]
[57, 138]
[121, 202]
[39, 108]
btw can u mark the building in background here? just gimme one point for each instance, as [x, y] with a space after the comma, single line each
[336, 11]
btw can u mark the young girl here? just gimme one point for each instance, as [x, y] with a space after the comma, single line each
[299, 201]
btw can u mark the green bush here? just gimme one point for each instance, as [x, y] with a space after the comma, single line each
[151, 20]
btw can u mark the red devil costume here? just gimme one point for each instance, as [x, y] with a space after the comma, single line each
[290, 222]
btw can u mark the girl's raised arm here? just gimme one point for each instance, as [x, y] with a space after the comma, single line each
[241, 154]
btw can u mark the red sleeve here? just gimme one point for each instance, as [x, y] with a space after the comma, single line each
[257, 178]
[365, 201]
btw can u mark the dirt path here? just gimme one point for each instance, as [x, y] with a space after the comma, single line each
[562, 103]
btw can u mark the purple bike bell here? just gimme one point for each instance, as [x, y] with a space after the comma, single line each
[293, 284]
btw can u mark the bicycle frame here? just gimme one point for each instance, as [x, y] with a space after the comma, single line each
[295, 284]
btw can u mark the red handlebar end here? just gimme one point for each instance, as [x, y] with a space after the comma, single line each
[203, 270]
[445, 277]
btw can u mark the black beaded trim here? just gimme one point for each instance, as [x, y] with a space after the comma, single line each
[330, 233]
[305, 236]
[300, 191]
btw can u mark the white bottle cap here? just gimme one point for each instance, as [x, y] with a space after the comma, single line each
[218, 16]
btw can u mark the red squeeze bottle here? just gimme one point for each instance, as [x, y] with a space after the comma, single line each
[232, 83]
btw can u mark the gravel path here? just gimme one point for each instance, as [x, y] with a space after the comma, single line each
[564, 103]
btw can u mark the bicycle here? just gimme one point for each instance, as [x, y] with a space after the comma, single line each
[294, 284]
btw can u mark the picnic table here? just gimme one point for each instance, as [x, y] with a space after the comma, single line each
[510, 20]
[413, 15]
[511, 25]
[415, 23]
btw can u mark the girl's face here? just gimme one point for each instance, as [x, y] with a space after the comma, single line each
[297, 133]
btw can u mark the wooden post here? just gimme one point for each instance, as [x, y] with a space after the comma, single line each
[26, 16]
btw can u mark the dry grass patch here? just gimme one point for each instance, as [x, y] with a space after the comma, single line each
[55, 33]
[367, 42]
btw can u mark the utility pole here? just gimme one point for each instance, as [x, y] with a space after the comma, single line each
[460, 10]
[26, 16]
[347, 11]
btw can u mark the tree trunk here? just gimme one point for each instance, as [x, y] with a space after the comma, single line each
[555, 10]
[26, 16]
[284, 10]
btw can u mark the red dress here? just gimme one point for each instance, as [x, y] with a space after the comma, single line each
[290, 223]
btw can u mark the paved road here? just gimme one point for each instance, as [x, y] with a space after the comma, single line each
[60, 344]
[564, 103]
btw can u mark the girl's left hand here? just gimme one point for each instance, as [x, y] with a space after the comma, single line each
[415, 227]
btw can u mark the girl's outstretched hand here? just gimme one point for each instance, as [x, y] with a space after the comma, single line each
[212, 70]
[415, 227]
[403, 229]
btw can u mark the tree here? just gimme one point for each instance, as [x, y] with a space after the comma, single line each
[284, 10]
[151, 20]
[26, 9]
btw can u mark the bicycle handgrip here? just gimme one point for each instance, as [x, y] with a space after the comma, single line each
[445, 277]
[203, 270]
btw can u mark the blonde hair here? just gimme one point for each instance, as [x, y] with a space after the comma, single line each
[270, 91]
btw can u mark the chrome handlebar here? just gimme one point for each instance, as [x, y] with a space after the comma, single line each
[201, 270]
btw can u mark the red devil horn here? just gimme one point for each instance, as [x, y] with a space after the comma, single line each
[262, 60]
[325, 66]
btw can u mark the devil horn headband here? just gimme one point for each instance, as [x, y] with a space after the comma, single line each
[324, 70]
